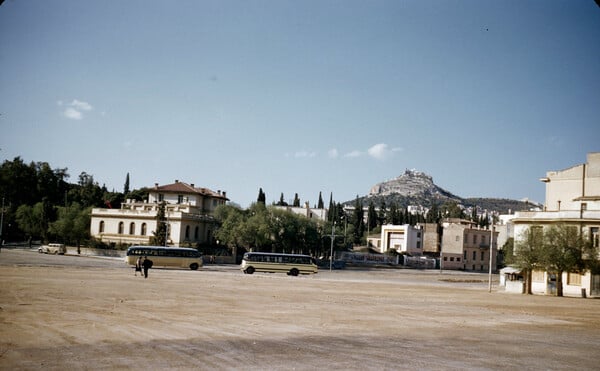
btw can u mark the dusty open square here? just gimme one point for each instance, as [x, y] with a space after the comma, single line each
[70, 312]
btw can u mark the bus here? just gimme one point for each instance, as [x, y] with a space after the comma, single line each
[165, 256]
[292, 264]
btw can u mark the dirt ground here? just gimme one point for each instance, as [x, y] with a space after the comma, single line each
[70, 312]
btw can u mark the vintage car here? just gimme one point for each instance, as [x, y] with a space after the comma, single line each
[53, 248]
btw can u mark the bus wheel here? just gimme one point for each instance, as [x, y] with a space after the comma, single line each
[194, 266]
[294, 272]
[250, 270]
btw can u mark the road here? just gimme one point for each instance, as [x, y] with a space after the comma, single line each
[61, 312]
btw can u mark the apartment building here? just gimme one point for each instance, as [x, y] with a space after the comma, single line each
[572, 199]
[467, 247]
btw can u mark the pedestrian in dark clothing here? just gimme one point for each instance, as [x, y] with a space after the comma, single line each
[138, 267]
[147, 264]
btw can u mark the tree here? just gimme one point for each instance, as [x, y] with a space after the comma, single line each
[527, 253]
[433, 215]
[282, 201]
[261, 197]
[30, 220]
[451, 209]
[126, 186]
[371, 216]
[382, 217]
[358, 221]
[296, 201]
[73, 224]
[160, 234]
[564, 250]
[320, 205]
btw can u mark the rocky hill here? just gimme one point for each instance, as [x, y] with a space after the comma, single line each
[417, 188]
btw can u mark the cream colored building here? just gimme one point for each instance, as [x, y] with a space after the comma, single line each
[572, 199]
[467, 247]
[189, 212]
[307, 211]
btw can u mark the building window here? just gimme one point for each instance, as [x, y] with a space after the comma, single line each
[595, 236]
[179, 199]
[187, 232]
[196, 233]
[418, 244]
[457, 238]
[143, 232]
[458, 259]
[101, 227]
[574, 279]
[445, 258]
[465, 255]
[483, 255]
[474, 257]
[120, 228]
[161, 197]
[474, 239]
[537, 276]
[483, 239]
[451, 258]
[132, 228]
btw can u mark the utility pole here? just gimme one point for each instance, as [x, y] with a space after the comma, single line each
[333, 236]
[490, 264]
[2, 223]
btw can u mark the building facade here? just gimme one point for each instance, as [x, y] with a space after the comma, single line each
[307, 211]
[401, 238]
[468, 248]
[189, 212]
[573, 200]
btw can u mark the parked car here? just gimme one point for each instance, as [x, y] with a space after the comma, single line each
[53, 248]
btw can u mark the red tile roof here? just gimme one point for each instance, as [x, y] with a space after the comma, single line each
[184, 188]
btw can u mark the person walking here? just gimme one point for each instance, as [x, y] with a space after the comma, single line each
[147, 264]
[138, 267]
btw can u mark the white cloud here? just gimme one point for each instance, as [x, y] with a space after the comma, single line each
[381, 151]
[72, 113]
[75, 109]
[82, 106]
[353, 154]
[333, 153]
[305, 154]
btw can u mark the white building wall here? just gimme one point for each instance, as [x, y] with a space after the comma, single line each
[402, 238]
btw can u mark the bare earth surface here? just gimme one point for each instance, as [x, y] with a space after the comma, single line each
[72, 312]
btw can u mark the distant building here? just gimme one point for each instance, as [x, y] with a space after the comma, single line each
[572, 199]
[401, 238]
[307, 211]
[467, 247]
[189, 212]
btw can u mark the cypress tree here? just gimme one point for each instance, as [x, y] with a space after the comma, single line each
[126, 186]
[261, 197]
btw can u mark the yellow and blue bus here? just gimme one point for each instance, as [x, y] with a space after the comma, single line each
[165, 256]
[292, 264]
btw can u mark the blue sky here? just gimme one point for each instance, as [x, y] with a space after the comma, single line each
[302, 96]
